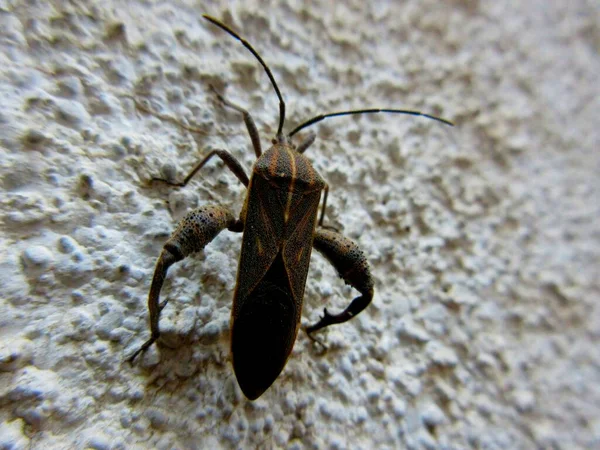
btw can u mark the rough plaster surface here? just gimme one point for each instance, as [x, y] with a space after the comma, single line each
[483, 239]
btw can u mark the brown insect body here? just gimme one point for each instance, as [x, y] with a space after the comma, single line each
[279, 222]
[280, 216]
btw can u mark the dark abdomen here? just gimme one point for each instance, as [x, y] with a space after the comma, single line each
[263, 331]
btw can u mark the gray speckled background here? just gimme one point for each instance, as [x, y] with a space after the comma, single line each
[483, 239]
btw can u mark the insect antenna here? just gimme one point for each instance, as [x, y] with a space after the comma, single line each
[366, 111]
[260, 60]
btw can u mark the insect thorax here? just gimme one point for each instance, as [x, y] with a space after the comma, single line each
[287, 169]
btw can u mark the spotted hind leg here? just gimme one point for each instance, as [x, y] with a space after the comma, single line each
[198, 228]
[351, 265]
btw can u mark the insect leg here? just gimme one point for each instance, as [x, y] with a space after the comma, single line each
[351, 265]
[192, 234]
[307, 142]
[325, 195]
[250, 125]
[323, 208]
[229, 160]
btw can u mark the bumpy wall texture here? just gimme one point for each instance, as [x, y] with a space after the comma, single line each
[483, 239]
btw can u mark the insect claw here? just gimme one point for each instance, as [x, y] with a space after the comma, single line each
[314, 339]
[132, 357]
[143, 348]
[162, 305]
[216, 92]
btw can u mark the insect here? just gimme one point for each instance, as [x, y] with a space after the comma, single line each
[280, 228]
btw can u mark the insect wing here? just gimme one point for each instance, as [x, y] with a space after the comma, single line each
[273, 268]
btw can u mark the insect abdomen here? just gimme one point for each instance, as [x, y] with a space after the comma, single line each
[263, 332]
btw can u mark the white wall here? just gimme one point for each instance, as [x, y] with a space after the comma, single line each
[483, 239]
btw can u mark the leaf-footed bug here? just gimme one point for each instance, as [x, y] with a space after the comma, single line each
[279, 222]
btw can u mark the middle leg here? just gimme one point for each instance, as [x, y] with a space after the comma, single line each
[323, 209]
[229, 160]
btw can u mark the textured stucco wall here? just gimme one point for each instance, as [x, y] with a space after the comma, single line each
[483, 239]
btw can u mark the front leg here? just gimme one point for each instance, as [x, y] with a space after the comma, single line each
[351, 265]
[192, 234]
[248, 120]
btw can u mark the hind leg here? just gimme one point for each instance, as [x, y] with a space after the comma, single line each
[194, 232]
[351, 265]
